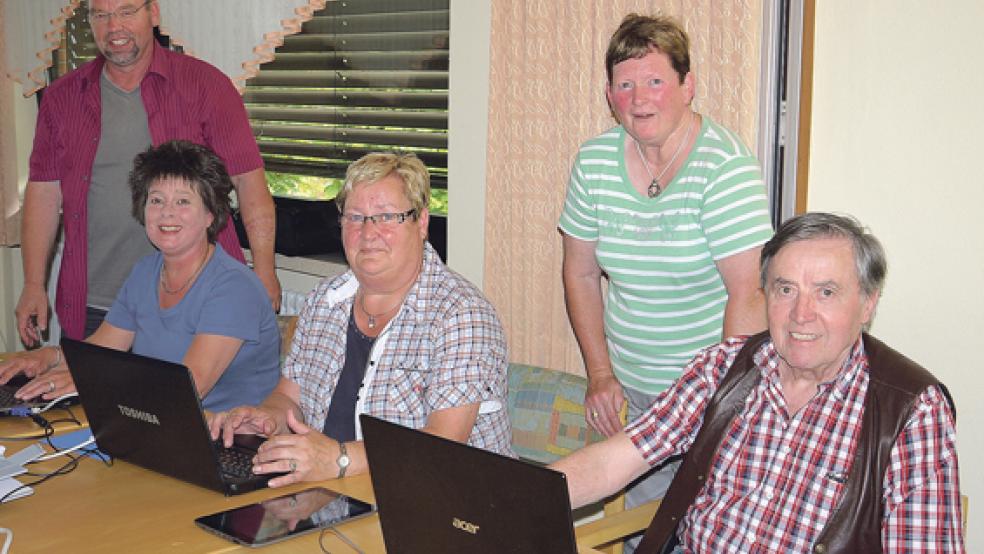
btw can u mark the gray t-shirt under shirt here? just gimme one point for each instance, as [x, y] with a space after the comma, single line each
[115, 240]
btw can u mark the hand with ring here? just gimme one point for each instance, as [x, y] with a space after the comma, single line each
[602, 403]
[49, 375]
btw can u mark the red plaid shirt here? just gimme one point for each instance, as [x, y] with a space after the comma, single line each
[777, 477]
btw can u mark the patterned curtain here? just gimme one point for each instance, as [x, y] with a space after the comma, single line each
[235, 36]
[547, 82]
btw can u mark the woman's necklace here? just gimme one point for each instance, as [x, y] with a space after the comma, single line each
[208, 250]
[371, 318]
[654, 187]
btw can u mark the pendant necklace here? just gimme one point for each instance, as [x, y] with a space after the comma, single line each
[371, 318]
[208, 250]
[654, 188]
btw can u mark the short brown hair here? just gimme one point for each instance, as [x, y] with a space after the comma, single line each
[193, 163]
[639, 35]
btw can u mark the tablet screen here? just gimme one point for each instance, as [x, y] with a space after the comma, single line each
[284, 516]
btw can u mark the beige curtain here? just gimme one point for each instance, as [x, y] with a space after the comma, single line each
[547, 83]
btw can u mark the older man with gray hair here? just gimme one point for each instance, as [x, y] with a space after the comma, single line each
[810, 437]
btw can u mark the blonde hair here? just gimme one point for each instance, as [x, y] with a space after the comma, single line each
[378, 165]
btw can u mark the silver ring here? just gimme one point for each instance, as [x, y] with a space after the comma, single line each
[293, 465]
[51, 386]
[594, 414]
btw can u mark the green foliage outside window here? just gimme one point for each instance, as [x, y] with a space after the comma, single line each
[325, 188]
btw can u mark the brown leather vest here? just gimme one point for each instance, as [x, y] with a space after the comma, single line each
[895, 383]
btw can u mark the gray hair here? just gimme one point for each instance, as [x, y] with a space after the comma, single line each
[869, 256]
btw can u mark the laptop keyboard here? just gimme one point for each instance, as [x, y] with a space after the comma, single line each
[235, 463]
[7, 399]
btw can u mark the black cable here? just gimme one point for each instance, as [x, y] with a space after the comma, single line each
[73, 462]
[55, 472]
[73, 459]
[46, 426]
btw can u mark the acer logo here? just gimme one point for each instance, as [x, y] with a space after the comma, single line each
[465, 526]
[134, 413]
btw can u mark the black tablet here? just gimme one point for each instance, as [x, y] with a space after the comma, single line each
[285, 516]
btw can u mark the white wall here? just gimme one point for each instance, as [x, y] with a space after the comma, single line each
[897, 112]
[11, 274]
[468, 101]
[11, 283]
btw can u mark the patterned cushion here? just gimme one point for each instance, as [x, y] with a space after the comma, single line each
[546, 409]
[287, 324]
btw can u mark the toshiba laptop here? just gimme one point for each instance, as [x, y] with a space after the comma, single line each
[147, 412]
[437, 495]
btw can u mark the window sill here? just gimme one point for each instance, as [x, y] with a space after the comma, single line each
[321, 265]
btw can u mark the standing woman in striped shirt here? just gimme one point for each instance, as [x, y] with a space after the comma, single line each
[671, 208]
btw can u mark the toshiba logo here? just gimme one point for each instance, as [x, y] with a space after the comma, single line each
[134, 413]
[465, 526]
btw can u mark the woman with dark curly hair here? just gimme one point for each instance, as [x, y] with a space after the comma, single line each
[188, 303]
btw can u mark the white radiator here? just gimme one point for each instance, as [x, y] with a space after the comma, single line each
[291, 302]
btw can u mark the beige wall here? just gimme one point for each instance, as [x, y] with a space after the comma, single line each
[896, 119]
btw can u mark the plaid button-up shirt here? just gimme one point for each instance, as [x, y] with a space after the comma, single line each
[444, 348]
[777, 477]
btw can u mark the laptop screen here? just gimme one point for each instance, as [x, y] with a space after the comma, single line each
[438, 495]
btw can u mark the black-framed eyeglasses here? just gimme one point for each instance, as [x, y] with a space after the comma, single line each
[386, 219]
[126, 13]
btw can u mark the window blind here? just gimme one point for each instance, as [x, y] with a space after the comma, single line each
[361, 76]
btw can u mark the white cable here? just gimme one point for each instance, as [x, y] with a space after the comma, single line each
[83, 444]
[7, 541]
[48, 406]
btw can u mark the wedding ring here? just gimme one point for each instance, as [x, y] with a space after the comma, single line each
[293, 465]
[51, 386]
[594, 414]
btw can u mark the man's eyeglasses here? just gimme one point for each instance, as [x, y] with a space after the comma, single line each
[388, 219]
[126, 13]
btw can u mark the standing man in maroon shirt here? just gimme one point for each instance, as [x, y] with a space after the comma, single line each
[91, 124]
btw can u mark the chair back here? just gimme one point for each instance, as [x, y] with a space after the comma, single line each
[546, 409]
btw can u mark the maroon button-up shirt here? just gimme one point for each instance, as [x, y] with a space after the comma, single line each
[184, 99]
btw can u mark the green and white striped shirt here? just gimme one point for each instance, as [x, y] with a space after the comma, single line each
[666, 298]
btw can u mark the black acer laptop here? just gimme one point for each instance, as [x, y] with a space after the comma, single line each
[437, 495]
[147, 412]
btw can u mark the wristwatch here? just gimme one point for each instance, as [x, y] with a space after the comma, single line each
[343, 460]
